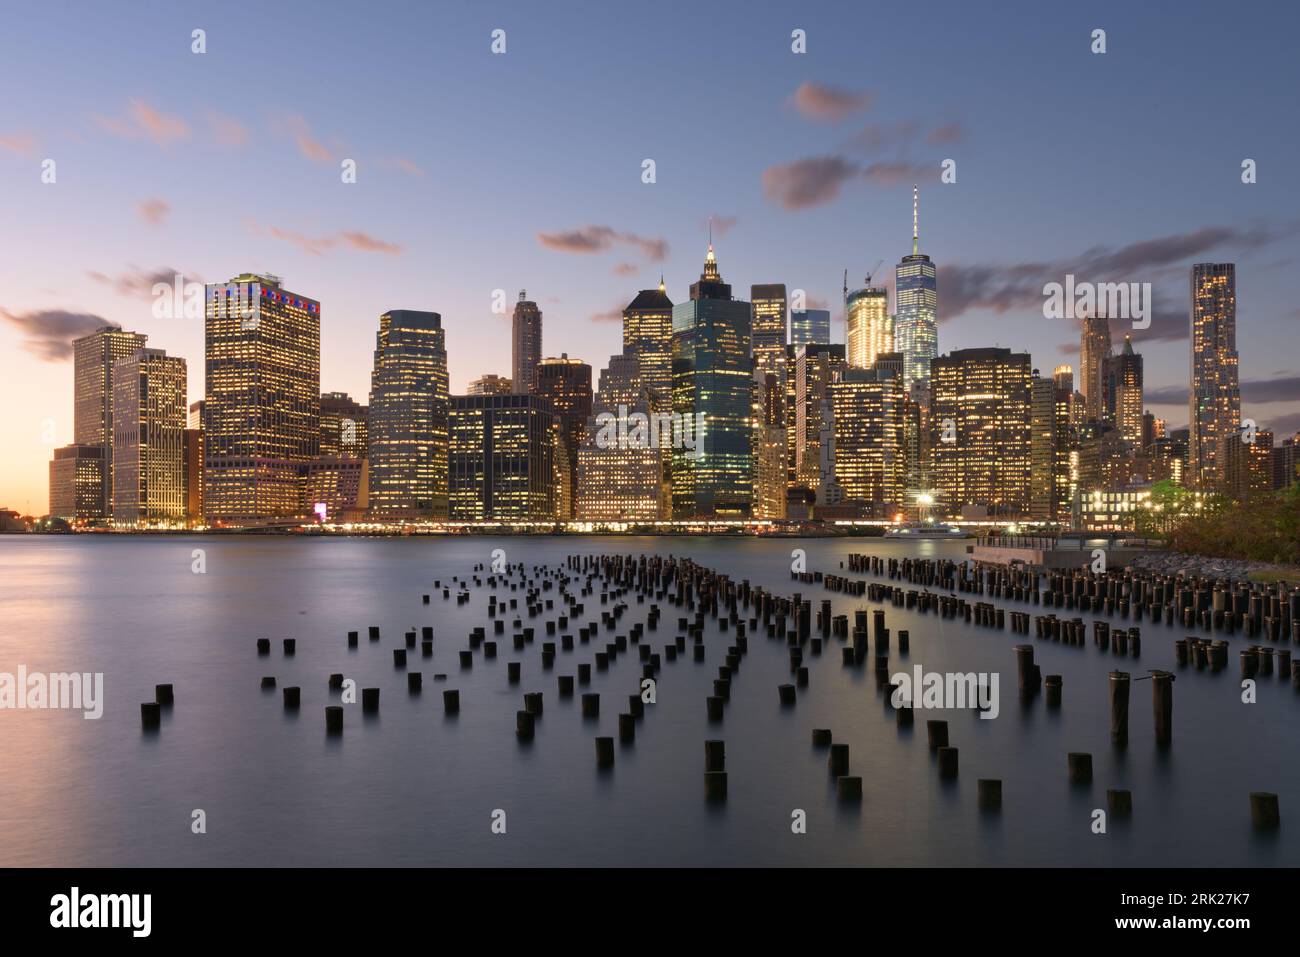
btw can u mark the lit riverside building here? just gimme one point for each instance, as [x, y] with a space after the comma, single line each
[1215, 398]
[870, 327]
[343, 426]
[407, 425]
[620, 476]
[916, 301]
[92, 409]
[502, 458]
[980, 401]
[1050, 445]
[1094, 351]
[77, 482]
[262, 397]
[867, 410]
[713, 385]
[149, 411]
[567, 383]
[648, 337]
[809, 326]
[525, 342]
[816, 368]
[768, 331]
[1124, 379]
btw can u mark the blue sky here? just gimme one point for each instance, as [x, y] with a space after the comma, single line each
[479, 172]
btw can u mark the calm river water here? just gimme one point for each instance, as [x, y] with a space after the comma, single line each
[415, 787]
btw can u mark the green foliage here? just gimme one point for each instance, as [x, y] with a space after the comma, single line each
[1265, 528]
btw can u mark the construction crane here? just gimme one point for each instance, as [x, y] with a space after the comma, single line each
[874, 269]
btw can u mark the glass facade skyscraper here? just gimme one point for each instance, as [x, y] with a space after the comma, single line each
[810, 327]
[916, 305]
[869, 326]
[1215, 394]
[262, 397]
[408, 418]
[713, 390]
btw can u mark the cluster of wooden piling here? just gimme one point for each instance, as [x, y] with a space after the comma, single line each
[1270, 611]
[740, 610]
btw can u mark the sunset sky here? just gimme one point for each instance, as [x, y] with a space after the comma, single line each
[480, 171]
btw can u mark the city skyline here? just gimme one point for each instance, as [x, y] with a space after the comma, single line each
[119, 215]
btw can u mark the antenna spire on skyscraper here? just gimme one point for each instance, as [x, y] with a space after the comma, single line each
[916, 236]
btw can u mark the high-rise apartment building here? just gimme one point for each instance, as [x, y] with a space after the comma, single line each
[869, 326]
[502, 458]
[620, 462]
[868, 412]
[525, 342]
[810, 327]
[1050, 447]
[769, 331]
[262, 397]
[1124, 375]
[567, 384]
[648, 337]
[1215, 396]
[93, 359]
[713, 473]
[77, 483]
[980, 429]
[817, 368]
[1094, 351]
[408, 417]
[149, 411]
[343, 426]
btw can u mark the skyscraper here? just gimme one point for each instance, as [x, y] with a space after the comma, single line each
[713, 393]
[502, 458]
[408, 418]
[916, 300]
[810, 327]
[771, 476]
[769, 328]
[526, 343]
[870, 327]
[620, 471]
[343, 426]
[567, 384]
[980, 427]
[77, 482]
[149, 410]
[1094, 350]
[94, 357]
[867, 408]
[262, 397]
[817, 368]
[1215, 395]
[648, 338]
[1124, 377]
[1050, 493]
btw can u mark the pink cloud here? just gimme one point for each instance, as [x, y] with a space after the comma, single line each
[24, 144]
[807, 182]
[227, 131]
[320, 245]
[154, 211]
[143, 121]
[827, 104]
